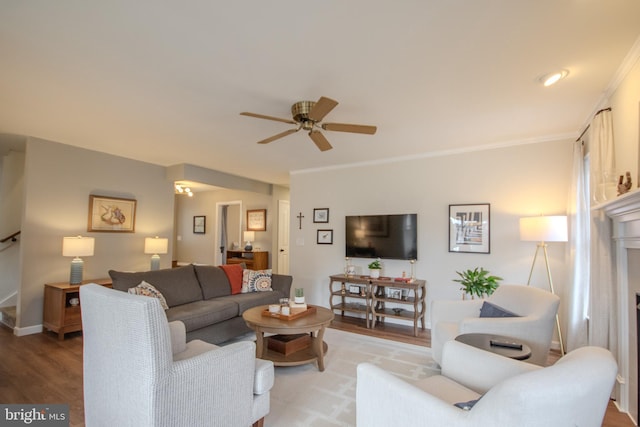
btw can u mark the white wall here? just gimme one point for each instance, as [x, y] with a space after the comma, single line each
[625, 110]
[525, 180]
[11, 196]
[58, 181]
[202, 248]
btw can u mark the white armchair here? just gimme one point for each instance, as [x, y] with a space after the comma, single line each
[573, 392]
[139, 371]
[535, 307]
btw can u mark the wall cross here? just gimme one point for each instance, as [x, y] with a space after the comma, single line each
[300, 216]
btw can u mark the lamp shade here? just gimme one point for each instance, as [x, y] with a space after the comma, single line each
[77, 246]
[156, 245]
[544, 229]
[249, 236]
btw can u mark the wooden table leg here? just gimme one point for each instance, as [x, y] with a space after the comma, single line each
[319, 348]
[259, 343]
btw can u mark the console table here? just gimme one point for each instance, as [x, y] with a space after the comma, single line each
[59, 314]
[253, 260]
[362, 294]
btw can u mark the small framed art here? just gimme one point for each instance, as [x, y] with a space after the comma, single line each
[321, 215]
[112, 214]
[325, 237]
[199, 224]
[469, 228]
[257, 220]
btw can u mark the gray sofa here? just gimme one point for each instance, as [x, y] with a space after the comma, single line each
[200, 296]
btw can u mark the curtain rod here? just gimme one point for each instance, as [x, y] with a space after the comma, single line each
[587, 128]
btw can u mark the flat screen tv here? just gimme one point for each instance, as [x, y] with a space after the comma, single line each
[382, 236]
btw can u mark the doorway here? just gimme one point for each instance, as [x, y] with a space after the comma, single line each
[231, 228]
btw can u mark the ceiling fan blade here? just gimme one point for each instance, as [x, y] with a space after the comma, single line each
[345, 127]
[320, 140]
[322, 108]
[278, 136]
[262, 116]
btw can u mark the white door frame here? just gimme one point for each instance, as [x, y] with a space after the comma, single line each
[217, 233]
[283, 240]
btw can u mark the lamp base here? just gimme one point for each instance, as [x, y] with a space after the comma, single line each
[155, 262]
[248, 247]
[75, 278]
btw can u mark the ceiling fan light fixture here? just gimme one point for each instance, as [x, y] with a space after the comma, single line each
[308, 115]
[553, 78]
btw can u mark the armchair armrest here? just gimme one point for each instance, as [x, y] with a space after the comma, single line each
[478, 369]
[383, 400]
[178, 334]
[264, 379]
[454, 311]
[218, 382]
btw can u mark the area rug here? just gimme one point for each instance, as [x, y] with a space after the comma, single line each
[303, 396]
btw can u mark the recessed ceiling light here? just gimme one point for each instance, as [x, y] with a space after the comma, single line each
[552, 78]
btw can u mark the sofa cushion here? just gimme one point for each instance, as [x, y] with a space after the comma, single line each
[148, 290]
[203, 313]
[234, 274]
[213, 281]
[254, 299]
[178, 285]
[256, 281]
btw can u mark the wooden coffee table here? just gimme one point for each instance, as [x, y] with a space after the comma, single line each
[313, 324]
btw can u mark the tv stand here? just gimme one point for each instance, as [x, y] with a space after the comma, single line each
[372, 296]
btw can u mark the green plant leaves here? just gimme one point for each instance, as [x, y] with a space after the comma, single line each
[477, 282]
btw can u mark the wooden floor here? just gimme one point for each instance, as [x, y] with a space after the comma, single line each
[41, 369]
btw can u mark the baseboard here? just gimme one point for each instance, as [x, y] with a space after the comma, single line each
[30, 330]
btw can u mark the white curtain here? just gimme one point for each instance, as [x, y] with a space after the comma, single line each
[603, 164]
[578, 292]
[602, 328]
[602, 331]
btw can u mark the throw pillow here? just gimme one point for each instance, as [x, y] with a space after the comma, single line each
[492, 310]
[466, 406]
[256, 281]
[148, 290]
[234, 274]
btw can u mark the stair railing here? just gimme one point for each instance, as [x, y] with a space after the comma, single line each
[12, 237]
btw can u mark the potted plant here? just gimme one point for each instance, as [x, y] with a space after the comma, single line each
[477, 282]
[374, 268]
[299, 296]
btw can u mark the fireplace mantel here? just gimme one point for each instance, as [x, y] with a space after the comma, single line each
[624, 208]
[624, 212]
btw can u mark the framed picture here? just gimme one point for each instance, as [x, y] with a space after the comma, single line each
[112, 214]
[257, 220]
[354, 289]
[469, 228]
[321, 215]
[199, 224]
[325, 237]
[393, 293]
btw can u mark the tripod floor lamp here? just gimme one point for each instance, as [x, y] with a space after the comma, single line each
[543, 229]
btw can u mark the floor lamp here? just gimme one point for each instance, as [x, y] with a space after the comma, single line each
[543, 229]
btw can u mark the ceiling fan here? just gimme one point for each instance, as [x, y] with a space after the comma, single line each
[308, 115]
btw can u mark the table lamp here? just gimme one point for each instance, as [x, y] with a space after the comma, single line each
[543, 229]
[155, 246]
[77, 247]
[249, 236]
